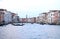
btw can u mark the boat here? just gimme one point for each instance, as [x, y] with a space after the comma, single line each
[18, 24]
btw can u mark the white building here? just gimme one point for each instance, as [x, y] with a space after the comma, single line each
[7, 17]
[41, 18]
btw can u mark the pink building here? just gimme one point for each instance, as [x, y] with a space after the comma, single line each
[53, 17]
[23, 20]
[2, 13]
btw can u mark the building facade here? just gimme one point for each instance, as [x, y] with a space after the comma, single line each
[1, 16]
[53, 17]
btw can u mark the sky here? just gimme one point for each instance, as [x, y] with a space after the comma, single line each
[31, 8]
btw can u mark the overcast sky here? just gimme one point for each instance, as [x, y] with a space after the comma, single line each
[30, 7]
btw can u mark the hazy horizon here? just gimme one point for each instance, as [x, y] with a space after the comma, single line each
[32, 8]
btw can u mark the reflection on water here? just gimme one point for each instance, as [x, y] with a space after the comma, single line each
[30, 31]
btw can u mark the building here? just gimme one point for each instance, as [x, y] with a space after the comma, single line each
[8, 17]
[20, 20]
[28, 20]
[53, 17]
[23, 20]
[15, 18]
[44, 17]
[41, 18]
[38, 19]
[32, 20]
[2, 16]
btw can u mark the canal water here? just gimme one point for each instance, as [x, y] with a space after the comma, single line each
[30, 31]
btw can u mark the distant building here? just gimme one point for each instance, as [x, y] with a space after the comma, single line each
[23, 20]
[37, 19]
[28, 20]
[32, 20]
